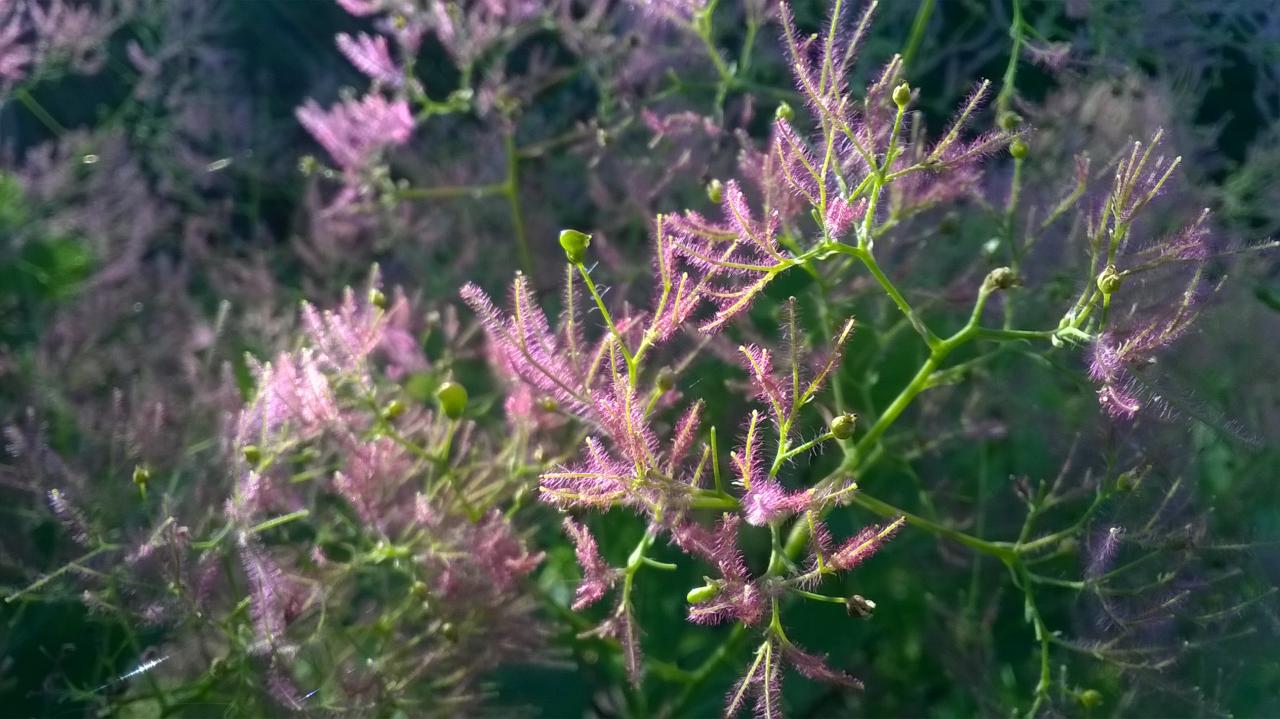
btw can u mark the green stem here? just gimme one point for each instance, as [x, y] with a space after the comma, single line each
[868, 260]
[918, 27]
[511, 190]
[1005, 98]
[278, 521]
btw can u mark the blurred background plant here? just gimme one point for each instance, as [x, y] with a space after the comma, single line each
[217, 507]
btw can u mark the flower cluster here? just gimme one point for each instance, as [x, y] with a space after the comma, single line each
[632, 459]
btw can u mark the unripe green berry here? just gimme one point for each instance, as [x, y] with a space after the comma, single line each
[1068, 545]
[1109, 280]
[1018, 149]
[902, 95]
[394, 409]
[698, 595]
[1128, 481]
[1090, 698]
[141, 475]
[784, 112]
[666, 379]
[715, 191]
[452, 398]
[842, 426]
[575, 245]
[1001, 278]
[1009, 121]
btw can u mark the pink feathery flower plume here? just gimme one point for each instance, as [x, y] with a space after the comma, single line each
[734, 259]
[810, 181]
[737, 596]
[763, 679]
[861, 546]
[759, 364]
[533, 352]
[598, 481]
[1115, 355]
[597, 576]
[371, 55]
[353, 131]
[765, 499]
[821, 62]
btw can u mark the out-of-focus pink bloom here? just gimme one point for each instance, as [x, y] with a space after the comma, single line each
[679, 123]
[32, 33]
[354, 131]
[371, 56]
[292, 391]
[362, 8]
[372, 470]
[15, 55]
[344, 337]
[274, 600]
[678, 12]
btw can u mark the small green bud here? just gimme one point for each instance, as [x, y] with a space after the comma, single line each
[842, 426]
[784, 112]
[549, 404]
[1090, 698]
[308, 165]
[666, 379]
[1129, 481]
[452, 398]
[902, 95]
[1068, 545]
[575, 245]
[252, 454]
[1009, 121]
[1109, 280]
[419, 589]
[394, 409]
[1001, 278]
[715, 191]
[141, 475]
[859, 606]
[1018, 149]
[377, 298]
[698, 595]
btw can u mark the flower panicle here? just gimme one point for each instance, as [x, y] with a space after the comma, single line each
[733, 260]
[597, 576]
